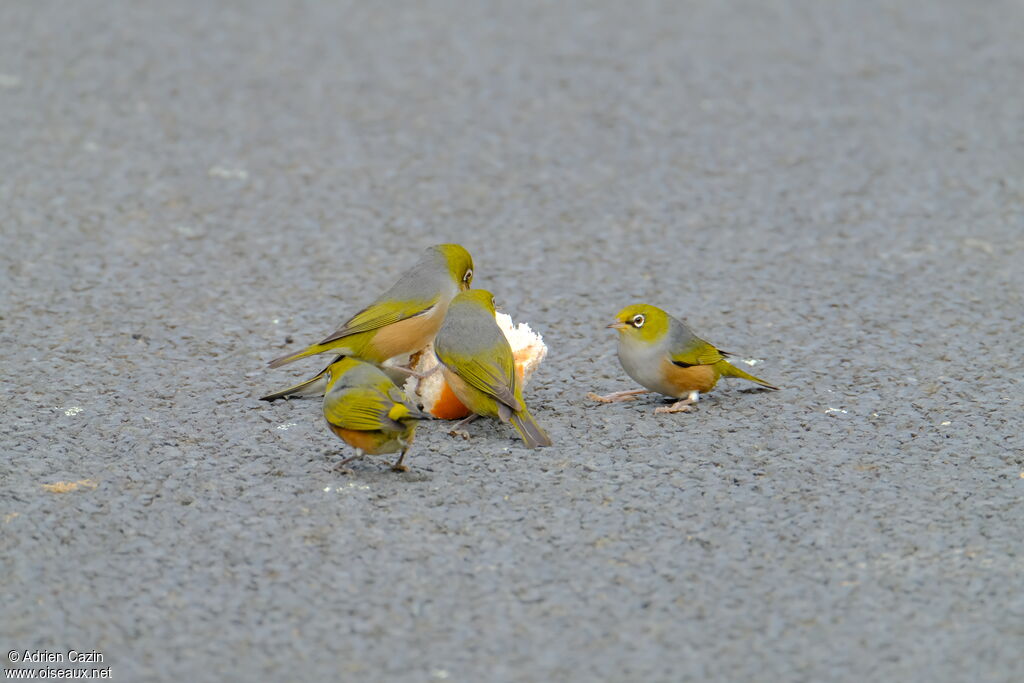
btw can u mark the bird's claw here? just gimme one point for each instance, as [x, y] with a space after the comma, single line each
[680, 407]
[617, 397]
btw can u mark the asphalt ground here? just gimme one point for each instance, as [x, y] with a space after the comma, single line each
[835, 189]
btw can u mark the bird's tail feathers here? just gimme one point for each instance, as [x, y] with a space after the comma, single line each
[532, 434]
[729, 370]
[292, 357]
[312, 387]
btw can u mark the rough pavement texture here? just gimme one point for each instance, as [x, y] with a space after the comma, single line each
[834, 188]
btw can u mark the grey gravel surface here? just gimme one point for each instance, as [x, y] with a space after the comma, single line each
[834, 188]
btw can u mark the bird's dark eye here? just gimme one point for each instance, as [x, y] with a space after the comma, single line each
[638, 321]
[468, 277]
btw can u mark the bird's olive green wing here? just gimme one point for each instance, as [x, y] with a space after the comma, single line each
[695, 352]
[362, 408]
[492, 373]
[381, 314]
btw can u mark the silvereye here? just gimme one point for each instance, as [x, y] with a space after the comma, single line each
[402, 320]
[664, 355]
[367, 411]
[477, 363]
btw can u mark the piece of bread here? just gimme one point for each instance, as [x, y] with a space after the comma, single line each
[434, 394]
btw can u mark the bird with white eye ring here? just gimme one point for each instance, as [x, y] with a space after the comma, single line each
[401, 321]
[478, 365]
[665, 356]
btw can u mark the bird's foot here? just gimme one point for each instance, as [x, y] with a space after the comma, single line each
[687, 405]
[342, 467]
[679, 407]
[407, 370]
[397, 466]
[618, 396]
[457, 428]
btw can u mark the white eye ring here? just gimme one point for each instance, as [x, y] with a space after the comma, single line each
[639, 320]
[468, 276]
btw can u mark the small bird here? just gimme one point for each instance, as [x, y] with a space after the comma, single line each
[664, 355]
[402, 320]
[368, 412]
[477, 363]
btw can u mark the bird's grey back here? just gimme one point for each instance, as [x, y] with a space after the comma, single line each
[680, 337]
[426, 279]
[363, 374]
[469, 329]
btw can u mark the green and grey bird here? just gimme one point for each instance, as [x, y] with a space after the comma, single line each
[365, 409]
[478, 365]
[665, 356]
[402, 320]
